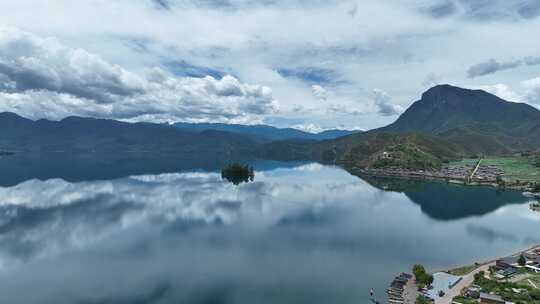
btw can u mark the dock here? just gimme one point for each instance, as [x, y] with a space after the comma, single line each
[402, 290]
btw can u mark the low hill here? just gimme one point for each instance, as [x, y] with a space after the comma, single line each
[264, 133]
[410, 151]
[414, 151]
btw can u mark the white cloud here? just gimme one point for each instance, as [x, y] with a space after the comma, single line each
[431, 80]
[384, 103]
[532, 93]
[44, 79]
[502, 91]
[252, 39]
[319, 92]
[311, 128]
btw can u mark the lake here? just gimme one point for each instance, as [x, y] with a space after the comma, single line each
[119, 232]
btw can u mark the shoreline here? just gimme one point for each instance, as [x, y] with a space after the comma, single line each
[477, 264]
[410, 293]
[414, 175]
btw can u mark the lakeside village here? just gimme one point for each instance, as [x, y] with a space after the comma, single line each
[513, 279]
[516, 173]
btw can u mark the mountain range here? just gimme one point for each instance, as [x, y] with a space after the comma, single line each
[447, 122]
[264, 133]
[77, 134]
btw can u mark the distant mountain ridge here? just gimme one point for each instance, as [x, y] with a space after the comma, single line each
[265, 133]
[104, 136]
[78, 134]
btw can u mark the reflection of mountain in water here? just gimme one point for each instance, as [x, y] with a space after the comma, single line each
[443, 201]
[98, 166]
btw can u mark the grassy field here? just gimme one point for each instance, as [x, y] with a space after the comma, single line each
[464, 162]
[535, 279]
[463, 300]
[462, 270]
[516, 168]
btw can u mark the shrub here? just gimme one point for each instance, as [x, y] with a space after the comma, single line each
[535, 294]
[422, 277]
[422, 300]
[522, 261]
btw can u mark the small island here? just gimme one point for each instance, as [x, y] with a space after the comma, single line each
[237, 173]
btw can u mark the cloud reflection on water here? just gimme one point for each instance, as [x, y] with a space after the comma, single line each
[308, 234]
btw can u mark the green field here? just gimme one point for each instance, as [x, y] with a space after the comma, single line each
[535, 278]
[462, 270]
[516, 168]
[465, 162]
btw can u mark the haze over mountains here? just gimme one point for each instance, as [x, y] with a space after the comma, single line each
[264, 133]
[447, 122]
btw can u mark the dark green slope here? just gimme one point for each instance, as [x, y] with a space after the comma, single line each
[474, 118]
[413, 150]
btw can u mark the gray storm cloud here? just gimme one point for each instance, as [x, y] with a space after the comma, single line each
[490, 67]
[493, 66]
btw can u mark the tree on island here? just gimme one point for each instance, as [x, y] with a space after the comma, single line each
[238, 173]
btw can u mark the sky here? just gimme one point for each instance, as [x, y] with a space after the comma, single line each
[309, 64]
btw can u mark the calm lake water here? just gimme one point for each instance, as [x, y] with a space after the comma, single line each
[300, 233]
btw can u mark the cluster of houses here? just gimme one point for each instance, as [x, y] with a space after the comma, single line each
[507, 267]
[456, 172]
[487, 174]
[474, 292]
[484, 174]
[397, 288]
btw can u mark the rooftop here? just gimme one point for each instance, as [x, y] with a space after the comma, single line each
[492, 297]
[442, 281]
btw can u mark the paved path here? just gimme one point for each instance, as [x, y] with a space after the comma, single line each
[466, 280]
[410, 292]
[475, 169]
